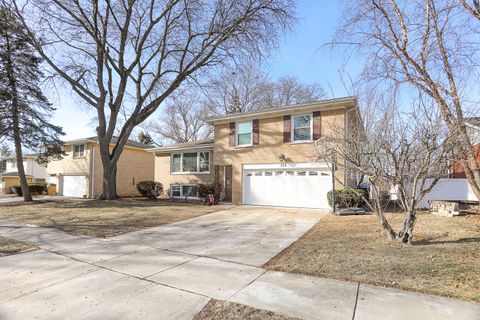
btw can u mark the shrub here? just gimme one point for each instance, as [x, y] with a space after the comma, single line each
[209, 189]
[150, 189]
[34, 189]
[347, 198]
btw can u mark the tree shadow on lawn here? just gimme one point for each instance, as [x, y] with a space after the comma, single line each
[94, 203]
[433, 241]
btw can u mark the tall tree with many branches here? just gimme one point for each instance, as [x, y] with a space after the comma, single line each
[24, 110]
[426, 45]
[128, 56]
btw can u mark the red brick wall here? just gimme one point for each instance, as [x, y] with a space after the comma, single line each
[456, 171]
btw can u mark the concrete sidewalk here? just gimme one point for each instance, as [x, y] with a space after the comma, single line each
[128, 277]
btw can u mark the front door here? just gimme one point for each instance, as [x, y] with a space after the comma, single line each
[223, 176]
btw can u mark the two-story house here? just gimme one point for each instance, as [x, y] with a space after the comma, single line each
[262, 158]
[34, 171]
[80, 172]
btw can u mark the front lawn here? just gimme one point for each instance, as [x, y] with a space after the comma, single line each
[225, 310]
[444, 260]
[11, 246]
[102, 218]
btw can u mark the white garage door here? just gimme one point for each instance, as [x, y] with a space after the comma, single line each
[302, 188]
[74, 186]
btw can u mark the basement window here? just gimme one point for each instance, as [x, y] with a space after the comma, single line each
[184, 191]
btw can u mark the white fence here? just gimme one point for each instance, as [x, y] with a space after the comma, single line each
[449, 189]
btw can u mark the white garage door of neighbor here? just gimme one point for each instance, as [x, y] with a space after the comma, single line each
[302, 188]
[74, 186]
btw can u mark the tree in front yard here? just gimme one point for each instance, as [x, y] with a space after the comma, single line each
[24, 110]
[405, 151]
[422, 45]
[125, 58]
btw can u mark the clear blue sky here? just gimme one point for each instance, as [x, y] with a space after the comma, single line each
[299, 54]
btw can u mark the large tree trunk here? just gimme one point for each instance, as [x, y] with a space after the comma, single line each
[109, 185]
[27, 197]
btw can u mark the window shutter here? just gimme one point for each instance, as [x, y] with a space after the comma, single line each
[232, 134]
[317, 125]
[256, 131]
[287, 129]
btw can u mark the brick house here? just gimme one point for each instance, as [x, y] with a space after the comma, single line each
[261, 158]
[80, 172]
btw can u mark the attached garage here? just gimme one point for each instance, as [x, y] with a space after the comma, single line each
[73, 185]
[299, 185]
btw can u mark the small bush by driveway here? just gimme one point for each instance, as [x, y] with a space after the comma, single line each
[444, 259]
[11, 246]
[101, 218]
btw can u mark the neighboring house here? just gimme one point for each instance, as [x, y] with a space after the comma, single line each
[261, 158]
[455, 187]
[34, 172]
[473, 131]
[80, 172]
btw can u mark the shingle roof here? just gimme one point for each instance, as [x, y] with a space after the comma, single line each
[12, 174]
[130, 143]
[185, 145]
[326, 103]
[30, 155]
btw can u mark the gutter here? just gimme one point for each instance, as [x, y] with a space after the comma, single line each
[92, 173]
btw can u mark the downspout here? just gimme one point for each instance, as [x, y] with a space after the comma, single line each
[92, 175]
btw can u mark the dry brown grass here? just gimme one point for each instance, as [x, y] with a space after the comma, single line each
[224, 310]
[10, 246]
[102, 218]
[444, 260]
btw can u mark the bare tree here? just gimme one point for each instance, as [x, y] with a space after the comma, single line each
[247, 88]
[289, 90]
[183, 119]
[131, 55]
[239, 89]
[430, 46]
[390, 148]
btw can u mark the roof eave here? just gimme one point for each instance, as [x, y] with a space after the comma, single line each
[80, 141]
[325, 105]
[172, 149]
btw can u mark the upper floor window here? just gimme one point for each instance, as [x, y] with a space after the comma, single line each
[13, 163]
[302, 128]
[191, 162]
[244, 133]
[78, 150]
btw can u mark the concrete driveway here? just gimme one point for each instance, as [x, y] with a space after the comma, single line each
[171, 272]
[247, 235]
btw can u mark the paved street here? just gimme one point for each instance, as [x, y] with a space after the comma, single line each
[172, 271]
